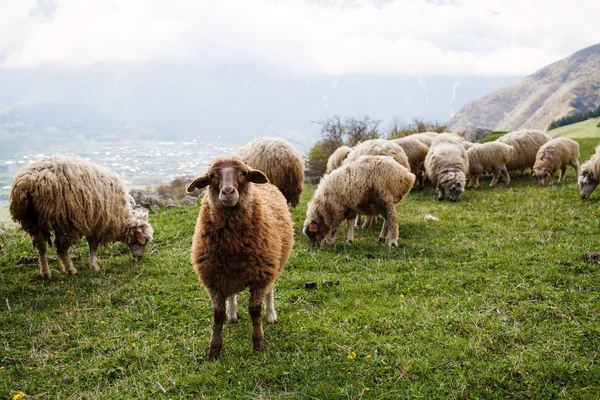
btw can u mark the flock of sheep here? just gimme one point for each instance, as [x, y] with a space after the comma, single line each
[244, 233]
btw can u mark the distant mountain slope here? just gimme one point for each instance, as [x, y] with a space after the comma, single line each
[580, 130]
[564, 87]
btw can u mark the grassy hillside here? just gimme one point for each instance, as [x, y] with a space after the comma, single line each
[491, 301]
[584, 129]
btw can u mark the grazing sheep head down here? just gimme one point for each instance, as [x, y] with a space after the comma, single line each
[315, 226]
[137, 233]
[227, 178]
[587, 184]
[542, 174]
[451, 184]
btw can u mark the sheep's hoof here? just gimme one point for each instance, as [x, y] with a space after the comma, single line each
[259, 344]
[381, 240]
[233, 320]
[272, 321]
[393, 245]
[213, 357]
[71, 271]
[349, 241]
[95, 267]
[46, 275]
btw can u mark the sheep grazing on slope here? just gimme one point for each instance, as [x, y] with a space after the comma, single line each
[73, 198]
[370, 185]
[378, 147]
[526, 144]
[244, 236]
[337, 158]
[555, 155]
[416, 151]
[491, 157]
[281, 163]
[590, 175]
[447, 164]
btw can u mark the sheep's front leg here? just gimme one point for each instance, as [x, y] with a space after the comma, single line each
[62, 249]
[270, 306]
[257, 295]
[440, 193]
[93, 245]
[562, 174]
[39, 242]
[350, 238]
[216, 338]
[575, 164]
[231, 307]
[505, 174]
[495, 177]
[384, 232]
[392, 222]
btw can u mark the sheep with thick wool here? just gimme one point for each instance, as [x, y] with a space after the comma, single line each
[525, 144]
[425, 138]
[554, 155]
[280, 161]
[371, 185]
[590, 175]
[489, 157]
[337, 158]
[378, 147]
[448, 137]
[467, 145]
[244, 236]
[73, 198]
[416, 151]
[447, 164]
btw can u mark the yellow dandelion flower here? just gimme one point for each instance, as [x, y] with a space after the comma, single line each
[18, 396]
[228, 371]
[369, 356]
[367, 389]
[373, 300]
[349, 357]
[401, 296]
[2, 367]
[558, 245]
[297, 312]
[239, 383]
[348, 373]
[102, 322]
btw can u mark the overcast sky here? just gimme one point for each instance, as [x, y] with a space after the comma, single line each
[436, 37]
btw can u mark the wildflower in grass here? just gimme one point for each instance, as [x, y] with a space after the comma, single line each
[102, 322]
[401, 296]
[228, 371]
[239, 383]
[18, 396]
[367, 389]
[352, 356]
[558, 245]
[369, 356]
[2, 367]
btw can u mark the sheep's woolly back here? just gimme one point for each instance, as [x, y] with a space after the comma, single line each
[488, 156]
[415, 150]
[557, 153]
[444, 156]
[282, 164]
[378, 147]
[356, 183]
[468, 145]
[591, 167]
[337, 158]
[425, 138]
[448, 137]
[69, 195]
[526, 144]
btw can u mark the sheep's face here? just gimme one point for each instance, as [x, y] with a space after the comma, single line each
[452, 185]
[227, 177]
[141, 235]
[587, 184]
[315, 227]
[542, 174]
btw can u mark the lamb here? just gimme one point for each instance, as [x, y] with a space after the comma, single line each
[73, 198]
[243, 237]
[525, 145]
[378, 147]
[371, 185]
[491, 157]
[416, 152]
[556, 154]
[337, 158]
[282, 164]
[590, 175]
[446, 164]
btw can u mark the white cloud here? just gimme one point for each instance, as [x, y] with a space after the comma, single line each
[485, 37]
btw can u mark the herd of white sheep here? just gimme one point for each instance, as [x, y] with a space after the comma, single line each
[244, 233]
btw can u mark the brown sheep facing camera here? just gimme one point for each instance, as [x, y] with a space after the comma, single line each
[244, 236]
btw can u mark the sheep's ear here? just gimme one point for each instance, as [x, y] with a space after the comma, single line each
[140, 237]
[199, 183]
[256, 176]
[313, 227]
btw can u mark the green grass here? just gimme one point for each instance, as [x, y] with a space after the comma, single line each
[492, 136]
[491, 301]
[580, 130]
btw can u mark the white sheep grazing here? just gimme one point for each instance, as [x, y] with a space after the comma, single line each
[447, 164]
[425, 138]
[448, 137]
[468, 145]
[370, 185]
[378, 147]
[73, 198]
[590, 175]
[337, 158]
[526, 144]
[244, 236]
[488, 157]
[555, 155]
